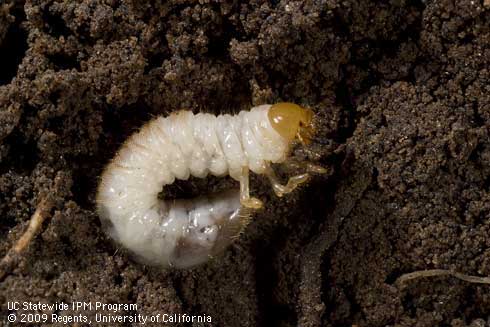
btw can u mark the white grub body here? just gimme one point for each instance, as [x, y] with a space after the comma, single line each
[184, 233]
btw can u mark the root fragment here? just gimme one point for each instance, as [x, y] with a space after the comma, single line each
[10, 260]
[440, 272]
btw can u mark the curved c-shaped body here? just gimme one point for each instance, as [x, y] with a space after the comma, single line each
[184, 233]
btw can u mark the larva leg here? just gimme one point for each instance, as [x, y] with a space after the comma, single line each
[245, 199]
[280, 189]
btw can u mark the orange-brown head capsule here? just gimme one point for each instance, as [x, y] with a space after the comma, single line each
[291, 121]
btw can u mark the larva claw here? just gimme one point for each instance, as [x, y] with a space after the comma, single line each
[293, 182]
[315, 169]
[252, 203]
[305, 165]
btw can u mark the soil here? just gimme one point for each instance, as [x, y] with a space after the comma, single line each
[401, 94]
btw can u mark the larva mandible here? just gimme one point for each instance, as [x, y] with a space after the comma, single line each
[184, 233]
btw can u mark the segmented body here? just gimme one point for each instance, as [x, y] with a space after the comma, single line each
[184, 233]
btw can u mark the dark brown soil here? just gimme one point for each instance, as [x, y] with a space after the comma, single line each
[402, 94]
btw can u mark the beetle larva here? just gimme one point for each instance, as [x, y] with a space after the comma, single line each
[184, 233]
